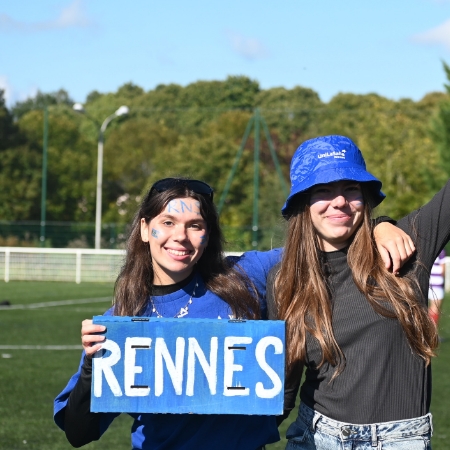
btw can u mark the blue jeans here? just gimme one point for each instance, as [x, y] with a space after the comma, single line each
[314, 431]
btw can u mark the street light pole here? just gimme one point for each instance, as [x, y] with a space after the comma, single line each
[98, 207]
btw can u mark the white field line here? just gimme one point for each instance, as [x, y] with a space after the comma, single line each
[41, 347]
[55, 303]
[44, 305]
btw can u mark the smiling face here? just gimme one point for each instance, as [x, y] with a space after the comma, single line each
[177, 237]
[336, 211]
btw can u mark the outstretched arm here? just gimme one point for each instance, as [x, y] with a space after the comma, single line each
[394, 245]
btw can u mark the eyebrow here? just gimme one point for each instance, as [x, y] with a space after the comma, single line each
[166, 216]
[176, 219]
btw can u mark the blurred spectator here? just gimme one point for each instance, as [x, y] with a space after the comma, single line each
[436, 289]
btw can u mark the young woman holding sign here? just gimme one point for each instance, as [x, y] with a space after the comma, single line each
[175, 268]
[363, 334]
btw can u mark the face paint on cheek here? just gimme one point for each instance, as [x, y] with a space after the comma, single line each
[155, 233]
[315, 201]
[359, 201]
[203, 239]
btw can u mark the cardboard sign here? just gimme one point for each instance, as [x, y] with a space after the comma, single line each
[202, 366]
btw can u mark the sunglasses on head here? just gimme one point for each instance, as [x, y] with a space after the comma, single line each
[197, 186]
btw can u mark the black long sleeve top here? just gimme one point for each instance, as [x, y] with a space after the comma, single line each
[383, 380]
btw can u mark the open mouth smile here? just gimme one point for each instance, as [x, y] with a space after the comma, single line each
[178, 252]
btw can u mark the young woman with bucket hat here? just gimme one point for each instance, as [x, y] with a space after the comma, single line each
[361, 333]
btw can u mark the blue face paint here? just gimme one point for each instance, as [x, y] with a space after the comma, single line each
[189, 206]
[184, 205]
[203, 239]
[319, 201]
[155, 233]
[171, 207]
[359, 201]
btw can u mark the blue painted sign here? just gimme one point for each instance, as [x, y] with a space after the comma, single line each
[201, 366]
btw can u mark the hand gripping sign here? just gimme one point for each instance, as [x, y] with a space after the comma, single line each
[202, 366]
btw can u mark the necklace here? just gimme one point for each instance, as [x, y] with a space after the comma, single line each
[183, 311]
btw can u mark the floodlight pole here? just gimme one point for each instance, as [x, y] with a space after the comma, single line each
[255, 121]
[44, 178]
[98, 206]
[256, 152]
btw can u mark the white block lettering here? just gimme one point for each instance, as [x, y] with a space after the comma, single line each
[210, 369]
[175, 369]
[260, 353]
[103, 365]
[229, 389]
[130, 368]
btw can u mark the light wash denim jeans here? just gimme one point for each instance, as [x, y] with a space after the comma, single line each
[314, 431]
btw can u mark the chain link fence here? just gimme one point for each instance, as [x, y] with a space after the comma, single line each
[60, 234]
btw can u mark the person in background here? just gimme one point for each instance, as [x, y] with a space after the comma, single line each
[436, 290]
[362, 333]
[175, 268]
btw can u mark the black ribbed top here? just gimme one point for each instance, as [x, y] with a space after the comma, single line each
[383, 380]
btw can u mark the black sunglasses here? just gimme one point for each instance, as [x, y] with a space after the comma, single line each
[197, 186]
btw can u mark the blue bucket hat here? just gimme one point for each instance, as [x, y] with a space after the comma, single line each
[327, 159]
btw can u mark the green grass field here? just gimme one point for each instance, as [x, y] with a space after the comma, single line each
[30, 379]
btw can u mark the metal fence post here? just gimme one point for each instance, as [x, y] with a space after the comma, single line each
[7, 255]
[78, 267]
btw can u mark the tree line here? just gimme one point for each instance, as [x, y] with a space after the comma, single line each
[196, 130]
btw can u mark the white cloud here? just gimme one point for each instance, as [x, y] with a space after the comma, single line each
[71, 16]
[439, 35]
[249, 48]
[12, 95]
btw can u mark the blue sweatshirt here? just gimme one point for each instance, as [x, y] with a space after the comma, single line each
[196, 431]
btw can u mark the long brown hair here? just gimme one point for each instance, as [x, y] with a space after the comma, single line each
[134, 283]
[303, 296]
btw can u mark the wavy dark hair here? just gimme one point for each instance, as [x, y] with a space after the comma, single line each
[303, 296]
[134, 283]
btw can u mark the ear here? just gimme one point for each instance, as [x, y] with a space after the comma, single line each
[144, 230]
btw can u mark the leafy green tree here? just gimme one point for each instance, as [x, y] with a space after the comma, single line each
[291, 112]
[394, 138]
[188, 109]
[196, 130]
[441, 127]
[129, 91]
[135, 153]
[70, 172]
[19, 183]
[9, 133]
[40, 101]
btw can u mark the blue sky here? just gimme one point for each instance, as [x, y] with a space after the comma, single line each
[392, 47]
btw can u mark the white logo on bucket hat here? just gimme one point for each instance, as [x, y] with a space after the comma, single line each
[338, 154]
